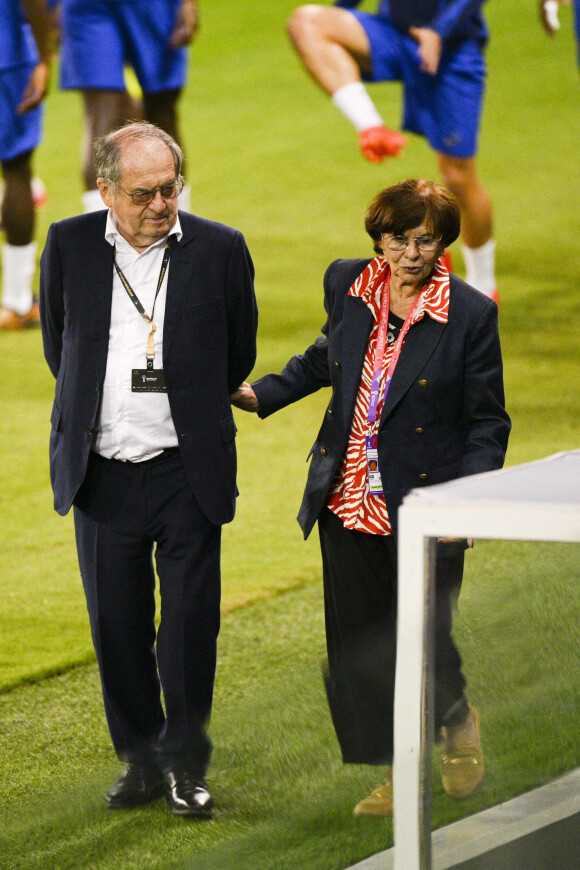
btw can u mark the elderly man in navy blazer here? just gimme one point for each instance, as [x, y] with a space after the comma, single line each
[149, 324]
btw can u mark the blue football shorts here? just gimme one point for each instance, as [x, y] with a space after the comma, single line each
[100, 37]
[445, 108]
[18, 133]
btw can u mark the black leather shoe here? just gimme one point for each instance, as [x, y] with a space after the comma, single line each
[137, 785]
[187, 795]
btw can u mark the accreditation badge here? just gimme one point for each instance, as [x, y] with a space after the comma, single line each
[148, 381]
[373, 473]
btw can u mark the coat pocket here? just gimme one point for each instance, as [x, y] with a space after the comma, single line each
[228, 429]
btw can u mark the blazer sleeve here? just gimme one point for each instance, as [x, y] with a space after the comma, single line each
[304, 373]
[51, 301]
[242, 313]
[486, 422]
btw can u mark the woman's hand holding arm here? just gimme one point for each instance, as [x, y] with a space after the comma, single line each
[245, 399]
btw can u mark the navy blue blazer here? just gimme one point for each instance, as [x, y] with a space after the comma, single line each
[209, 348]
[444, 415]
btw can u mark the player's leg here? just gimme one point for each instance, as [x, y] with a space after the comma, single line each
[332, 45]
[161, 108]
[449, 112]
[19, 252]
[460, 176]
[17, 204]
[19, 136]
[92, 61]
[103, 112]
[160, 69]
[336, 51]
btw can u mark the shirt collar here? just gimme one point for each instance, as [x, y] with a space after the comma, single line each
[114, 237]
[434, 298]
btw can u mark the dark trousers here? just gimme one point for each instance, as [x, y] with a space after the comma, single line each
[122, 512]
[360, 603]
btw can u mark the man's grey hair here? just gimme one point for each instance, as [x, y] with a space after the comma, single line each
[108, 149]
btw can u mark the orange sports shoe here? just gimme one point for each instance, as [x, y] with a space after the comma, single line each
[11, 320]
[39, 192]
[378, 143]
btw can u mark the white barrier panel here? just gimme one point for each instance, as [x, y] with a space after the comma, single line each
[537, 501]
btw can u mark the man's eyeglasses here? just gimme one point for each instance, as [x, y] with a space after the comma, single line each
[143, 197]
[424, 244]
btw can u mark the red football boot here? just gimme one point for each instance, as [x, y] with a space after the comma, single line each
[378, 143]
[39, 192]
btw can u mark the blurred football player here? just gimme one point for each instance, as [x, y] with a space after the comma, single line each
[435, 48]
[99, 40]
[24, 75]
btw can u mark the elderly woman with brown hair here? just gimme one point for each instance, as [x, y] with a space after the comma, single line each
[412, 355]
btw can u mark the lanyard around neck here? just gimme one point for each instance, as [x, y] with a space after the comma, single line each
[380, 348]
[150, 353]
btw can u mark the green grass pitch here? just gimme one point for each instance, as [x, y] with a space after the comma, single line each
[268, 154]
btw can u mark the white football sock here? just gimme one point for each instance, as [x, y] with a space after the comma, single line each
[356, 105]
[18, 267]
[480, 266]
[185, 198]
[92, 201]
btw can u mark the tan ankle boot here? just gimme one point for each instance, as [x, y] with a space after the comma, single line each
[462, 760]
[380, 801]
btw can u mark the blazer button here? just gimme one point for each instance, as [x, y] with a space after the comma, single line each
[423, 477]
[336, 364]
[330, 412]
[423, 383]
[90, 430]
[323, 451]
[419, 430]
[97, 386]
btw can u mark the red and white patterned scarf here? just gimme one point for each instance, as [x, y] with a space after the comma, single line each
[350, 499]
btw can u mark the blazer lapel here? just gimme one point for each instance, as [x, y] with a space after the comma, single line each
[419, 345]
[181, 268]
[98, 275]
[356, 327]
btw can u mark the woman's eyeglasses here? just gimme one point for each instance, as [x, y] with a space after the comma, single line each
[424, 244]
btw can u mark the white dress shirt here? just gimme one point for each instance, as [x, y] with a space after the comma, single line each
[134, 426]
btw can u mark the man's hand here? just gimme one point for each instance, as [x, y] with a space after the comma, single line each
[245, 398]
[35, 89]
[44, 34]
[186, 24]
[430, 48]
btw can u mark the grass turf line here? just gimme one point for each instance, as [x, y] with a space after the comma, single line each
[282, 165]
[284, 798]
